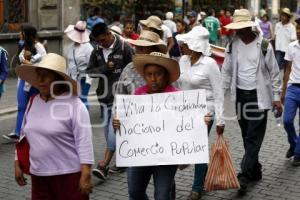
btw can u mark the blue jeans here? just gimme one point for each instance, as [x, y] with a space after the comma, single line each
[163, 178]
[85, 88]
[200, 171]
[22, 98]
[109, 134]
[292, 103]
[280, 59]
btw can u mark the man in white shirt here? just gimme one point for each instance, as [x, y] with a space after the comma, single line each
[285, 33]
[291, 96]
[253, 76]
[170, 23]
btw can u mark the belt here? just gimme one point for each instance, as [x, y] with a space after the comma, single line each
[296, 84]
[246, 92]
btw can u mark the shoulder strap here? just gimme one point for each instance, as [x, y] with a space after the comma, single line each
[264, 46]
[30, 102]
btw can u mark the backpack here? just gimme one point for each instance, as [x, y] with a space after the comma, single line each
[264, 46]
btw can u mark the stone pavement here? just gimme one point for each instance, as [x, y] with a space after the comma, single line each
[280, 180]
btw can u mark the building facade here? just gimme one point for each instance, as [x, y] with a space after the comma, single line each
[50, 17]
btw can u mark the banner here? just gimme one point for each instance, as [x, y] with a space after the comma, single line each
[162, 129]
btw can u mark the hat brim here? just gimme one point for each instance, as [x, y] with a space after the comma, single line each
[144, 22]
[76, 36]
[240, 25]
[172, 66]
[287, 13]
[28, 74]
[143, 43]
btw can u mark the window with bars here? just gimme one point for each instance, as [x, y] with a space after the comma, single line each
[12, 14]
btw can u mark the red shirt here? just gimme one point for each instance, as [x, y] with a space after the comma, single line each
[132, 36]
[224, 20]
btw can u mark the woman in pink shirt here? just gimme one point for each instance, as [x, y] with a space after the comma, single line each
[57, 128]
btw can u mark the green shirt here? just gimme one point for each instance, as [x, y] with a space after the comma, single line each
[213, 26]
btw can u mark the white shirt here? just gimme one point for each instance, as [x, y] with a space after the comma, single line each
[78, 59]
[247, 64]
[107, 51]
[293, 55]
[171, 25]
[204, 74]
[284, 35]
[167, 33]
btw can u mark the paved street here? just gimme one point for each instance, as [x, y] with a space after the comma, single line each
[280, 180]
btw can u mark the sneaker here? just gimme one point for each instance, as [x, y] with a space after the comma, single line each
[244, 181]
[296, 161]
[194, 195]
[290, 152]
[114, 169]
[101, 172]
[12, 137]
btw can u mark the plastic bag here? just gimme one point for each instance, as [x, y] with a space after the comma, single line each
[221, 174]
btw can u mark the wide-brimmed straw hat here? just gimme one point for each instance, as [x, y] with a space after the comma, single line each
[152, 22]
[51, 61]
[157, 58]
[149, 38]
[286, 11]
[78, 33]
[241, 19]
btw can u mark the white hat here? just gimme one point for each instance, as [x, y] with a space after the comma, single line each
[197, 40]
[78, 33]
[241, 19]
[169, 15]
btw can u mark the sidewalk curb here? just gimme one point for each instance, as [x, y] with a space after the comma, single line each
[14, 109]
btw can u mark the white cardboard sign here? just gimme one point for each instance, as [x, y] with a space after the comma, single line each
[162, 129]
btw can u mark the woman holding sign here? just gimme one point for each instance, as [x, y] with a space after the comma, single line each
[199, 71]
[159, 71]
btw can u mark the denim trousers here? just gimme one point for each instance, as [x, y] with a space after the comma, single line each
[163, 180]
[200, 171]
[292, 103]
[109, 134]
[22, 98]
[85, 88]
[280, 59]
[253, 123]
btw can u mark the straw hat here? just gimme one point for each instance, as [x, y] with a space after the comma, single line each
[152, 22]
[286, 11]
[149, 38]
[51, 61]
[163, 60]
[78, 33]
[241, 19]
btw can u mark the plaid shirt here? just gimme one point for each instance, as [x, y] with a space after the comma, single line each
[129, 81]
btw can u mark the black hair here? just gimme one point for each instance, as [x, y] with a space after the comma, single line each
[297, 21]
[166, 72]
[158, 32]
[210, 12]
[96, 11]
[30, 36]
[128, 21]
[267, 16]
[183, 24]
[99, 29]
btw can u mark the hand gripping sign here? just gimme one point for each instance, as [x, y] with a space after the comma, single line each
[162, 129]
